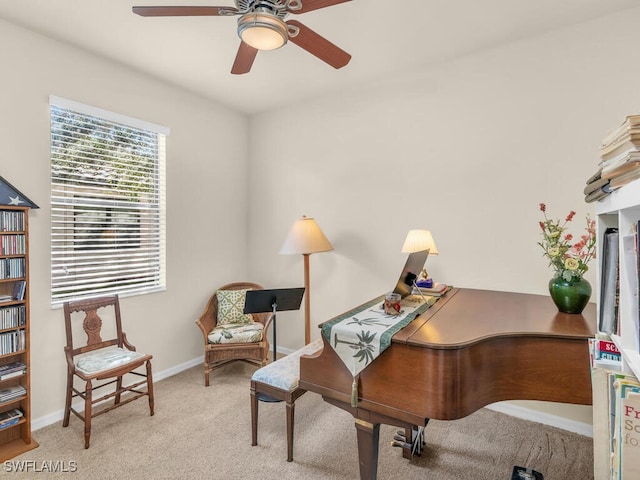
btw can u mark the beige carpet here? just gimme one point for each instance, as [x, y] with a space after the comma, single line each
[204, 433]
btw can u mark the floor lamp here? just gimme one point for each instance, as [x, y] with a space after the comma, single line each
[305, 237]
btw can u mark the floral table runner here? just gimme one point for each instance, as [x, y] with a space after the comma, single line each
[360, 335]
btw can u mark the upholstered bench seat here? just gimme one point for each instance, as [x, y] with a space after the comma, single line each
[105, 359]
[285, 372]
[280, 380]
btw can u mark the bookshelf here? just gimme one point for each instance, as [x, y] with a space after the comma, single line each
[621, 210]
[15, 386]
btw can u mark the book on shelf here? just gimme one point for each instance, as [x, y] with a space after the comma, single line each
[636, 233]
[605, 350]
[599, 194]
[622, 180]
[607, 386]
[608, 321]
[630, 162]
[12, 393]
[595, 176]
[596, 185]
[17, 373]
[6, 298]
[11, 370]
[9, 415]
[629, 246]
[630, 436]
[623, 387]
[630, 124]
[601, 440]
[18, 289]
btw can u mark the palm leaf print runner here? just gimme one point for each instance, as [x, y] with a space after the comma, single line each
[360, 335]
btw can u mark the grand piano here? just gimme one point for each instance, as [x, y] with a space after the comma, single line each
[470, 349]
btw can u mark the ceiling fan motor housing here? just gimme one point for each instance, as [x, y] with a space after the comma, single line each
[275, 7]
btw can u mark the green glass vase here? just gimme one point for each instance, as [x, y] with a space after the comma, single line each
[570, 296]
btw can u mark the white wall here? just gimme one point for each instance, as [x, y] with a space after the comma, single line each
[206, 216]
[467, 149]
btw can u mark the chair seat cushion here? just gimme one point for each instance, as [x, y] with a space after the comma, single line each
[105, 359]
[237, 333]
[285, 372]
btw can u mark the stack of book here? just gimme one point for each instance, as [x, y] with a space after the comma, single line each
[619, 160]
[10, 417]
[11, 370]
[12, 393]
[616, 421]
[438, 290]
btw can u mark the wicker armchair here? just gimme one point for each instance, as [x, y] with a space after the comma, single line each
[222, 346]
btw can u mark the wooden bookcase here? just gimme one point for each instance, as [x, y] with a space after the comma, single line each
[14, 327]
[621, 209]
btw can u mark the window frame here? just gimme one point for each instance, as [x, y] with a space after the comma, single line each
[118, 251]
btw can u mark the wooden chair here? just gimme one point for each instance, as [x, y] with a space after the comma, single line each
[104, 362]
[227, 340]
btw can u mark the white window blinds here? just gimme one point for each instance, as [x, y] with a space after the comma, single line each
[107, 203]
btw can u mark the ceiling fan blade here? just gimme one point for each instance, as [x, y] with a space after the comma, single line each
[184, 11]
[319, 46]
[244, 59]
[309, 5]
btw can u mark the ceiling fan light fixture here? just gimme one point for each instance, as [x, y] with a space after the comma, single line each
[262, 31]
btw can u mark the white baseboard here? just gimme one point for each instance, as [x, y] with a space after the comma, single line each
[517, 411]
[42, 422]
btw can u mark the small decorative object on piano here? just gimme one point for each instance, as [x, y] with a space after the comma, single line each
[424, 282]
[392, 304]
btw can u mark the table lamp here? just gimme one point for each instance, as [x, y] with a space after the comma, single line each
[418, 240]
[305, 237]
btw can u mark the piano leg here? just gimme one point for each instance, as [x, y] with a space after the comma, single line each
[368, 441]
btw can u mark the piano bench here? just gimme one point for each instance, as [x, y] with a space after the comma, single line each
[279, 382]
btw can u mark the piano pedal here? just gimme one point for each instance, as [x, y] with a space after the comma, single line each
[397, 443]
[414, 447]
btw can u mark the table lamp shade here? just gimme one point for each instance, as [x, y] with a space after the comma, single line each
[305, 237]
[418, 240]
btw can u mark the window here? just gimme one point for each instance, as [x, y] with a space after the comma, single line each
[107, 203]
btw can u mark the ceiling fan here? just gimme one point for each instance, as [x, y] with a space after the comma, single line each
[261, 26]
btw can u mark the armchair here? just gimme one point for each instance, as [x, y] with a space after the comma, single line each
[230, 335]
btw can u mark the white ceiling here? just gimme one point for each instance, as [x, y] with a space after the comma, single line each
[384, 37]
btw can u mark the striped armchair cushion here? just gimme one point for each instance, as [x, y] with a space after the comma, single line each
[237, 333]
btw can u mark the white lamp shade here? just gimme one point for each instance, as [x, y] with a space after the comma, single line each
[418, 240]
[305, 237]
